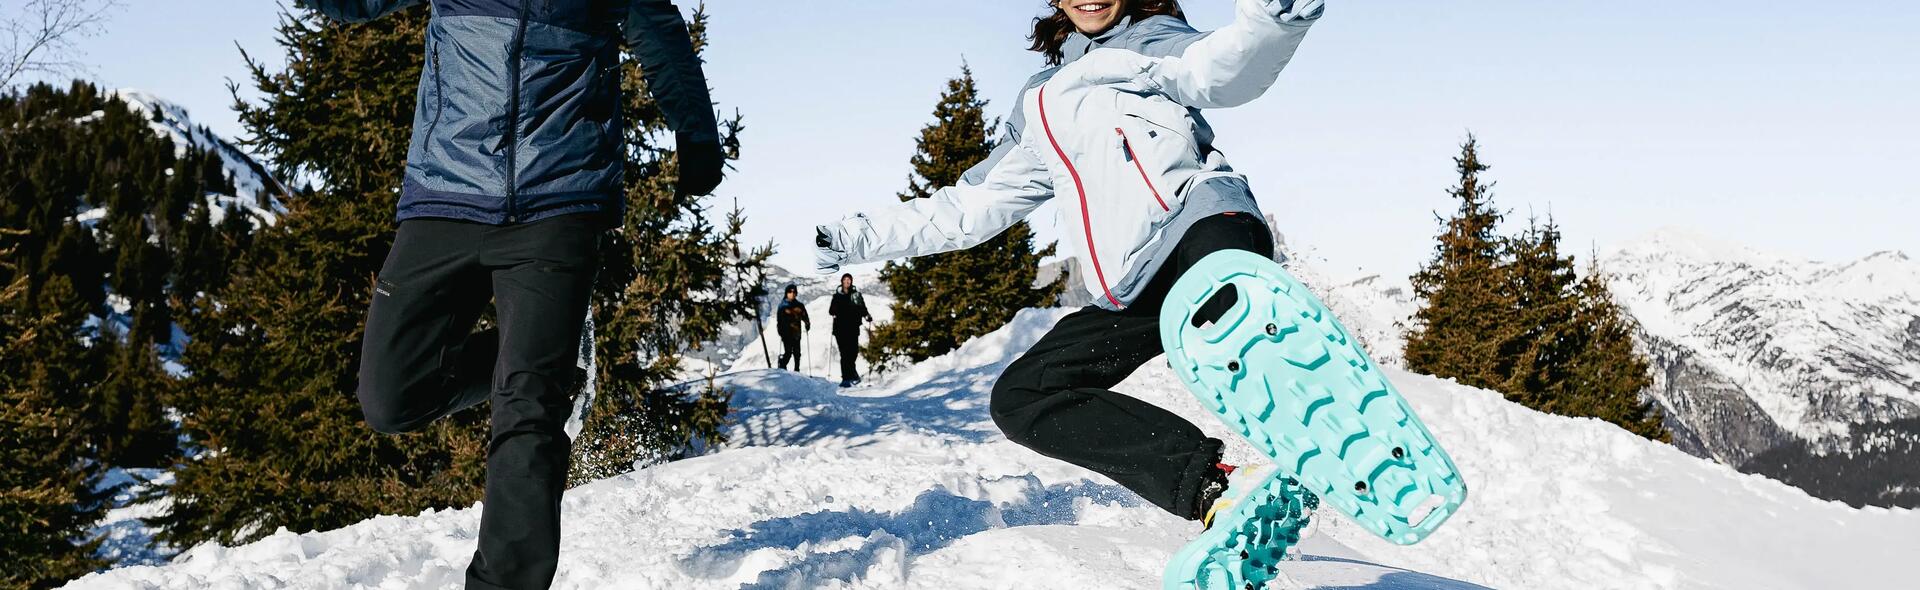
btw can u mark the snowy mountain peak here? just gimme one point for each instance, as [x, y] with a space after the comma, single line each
[1677, 243]
[1389, 287]
[255, 188]
[1753, 350]
[1881, 276]
[1895, 255]
[1376, 309]
[1887, 273]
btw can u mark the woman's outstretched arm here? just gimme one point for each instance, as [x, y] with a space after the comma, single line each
[991, 197]
[1224, 68]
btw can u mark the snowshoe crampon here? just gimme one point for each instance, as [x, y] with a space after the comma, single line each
[1264, 353]
[1244, 546]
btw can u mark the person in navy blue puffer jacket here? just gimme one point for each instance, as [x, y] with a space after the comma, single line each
[518, 117]
[514, 172]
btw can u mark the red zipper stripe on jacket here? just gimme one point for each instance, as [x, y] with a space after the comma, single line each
[1086, 222]
[1128, 146]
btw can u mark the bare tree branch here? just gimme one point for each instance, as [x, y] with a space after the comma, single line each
[42, 38]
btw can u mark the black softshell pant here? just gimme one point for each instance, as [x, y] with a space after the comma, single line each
[1055, 398]
[790, 349]
[421, 361]
[849, 342]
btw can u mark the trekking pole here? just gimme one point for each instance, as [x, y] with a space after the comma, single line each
[807, 352]
[760, 325]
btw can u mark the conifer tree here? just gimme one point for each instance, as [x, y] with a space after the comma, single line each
[200, 261]
[942, 300]
[273, 355]
[47, 475]
[1511, 314]
[1464, 325]
[130, 403]
[671, 278]
[274, 351]
[1543, 339]
[1608, 375]
[71, 150]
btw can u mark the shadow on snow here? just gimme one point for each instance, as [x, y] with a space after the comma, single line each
[936, 519]
[1398, 579]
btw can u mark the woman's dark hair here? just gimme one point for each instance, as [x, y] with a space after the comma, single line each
[792, 289]
[1051, 31]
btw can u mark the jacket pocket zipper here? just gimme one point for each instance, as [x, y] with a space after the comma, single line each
[439, 88]
[1126, 148]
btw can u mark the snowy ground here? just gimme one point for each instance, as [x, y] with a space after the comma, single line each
[907, 484]
[124, 538]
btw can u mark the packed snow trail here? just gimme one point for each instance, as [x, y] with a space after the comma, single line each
[908, 484]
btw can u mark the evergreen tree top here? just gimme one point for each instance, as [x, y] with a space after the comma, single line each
[1511, 314]
[941, 301]
[955, 140]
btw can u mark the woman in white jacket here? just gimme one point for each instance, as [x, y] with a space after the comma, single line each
[1114, 127]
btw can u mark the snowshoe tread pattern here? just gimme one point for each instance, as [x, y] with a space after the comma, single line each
[1244, 547]
[1282, 372]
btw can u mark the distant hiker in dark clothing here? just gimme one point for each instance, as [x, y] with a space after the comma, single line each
[517, 168]
[848, 310]
[790, 319]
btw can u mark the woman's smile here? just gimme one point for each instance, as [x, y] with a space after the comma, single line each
[1092, 17]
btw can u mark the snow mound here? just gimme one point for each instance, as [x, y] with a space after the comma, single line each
[907, 484]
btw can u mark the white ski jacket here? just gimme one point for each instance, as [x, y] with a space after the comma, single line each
[1118, 133]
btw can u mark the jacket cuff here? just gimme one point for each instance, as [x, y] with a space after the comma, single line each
[1296, 11]
[1186, 493]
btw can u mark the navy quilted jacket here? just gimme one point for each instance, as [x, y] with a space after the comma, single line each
[518, 114]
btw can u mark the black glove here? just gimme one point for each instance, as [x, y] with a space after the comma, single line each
[701, 163]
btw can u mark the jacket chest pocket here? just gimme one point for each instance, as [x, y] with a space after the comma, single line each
[1151, 154]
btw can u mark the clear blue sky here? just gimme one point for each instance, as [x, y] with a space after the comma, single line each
[1789, 126]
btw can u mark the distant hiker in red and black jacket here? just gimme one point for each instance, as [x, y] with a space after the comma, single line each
[790, 319]
[848, 310]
